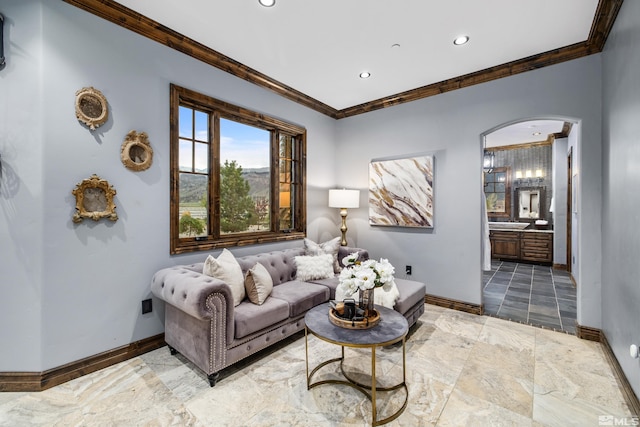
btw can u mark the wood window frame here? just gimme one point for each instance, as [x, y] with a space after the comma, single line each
[507, 213]
[180, 96]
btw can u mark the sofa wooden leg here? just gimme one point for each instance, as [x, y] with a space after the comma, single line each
[213, 378]
[173, 351]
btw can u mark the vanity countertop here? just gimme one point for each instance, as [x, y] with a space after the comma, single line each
[533, 230]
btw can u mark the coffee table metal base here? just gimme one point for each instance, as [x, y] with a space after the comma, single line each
[369, 390]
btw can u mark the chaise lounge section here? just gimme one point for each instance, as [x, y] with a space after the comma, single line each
[202, 323]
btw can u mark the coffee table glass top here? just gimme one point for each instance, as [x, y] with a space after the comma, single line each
[392, 327]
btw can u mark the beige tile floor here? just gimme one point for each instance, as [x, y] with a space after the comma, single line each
[462, 370]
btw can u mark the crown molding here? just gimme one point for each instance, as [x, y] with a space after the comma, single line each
[138, 23]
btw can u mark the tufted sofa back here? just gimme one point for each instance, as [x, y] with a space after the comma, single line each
[280, 264]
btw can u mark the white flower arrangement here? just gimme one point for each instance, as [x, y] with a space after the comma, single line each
[363, 275]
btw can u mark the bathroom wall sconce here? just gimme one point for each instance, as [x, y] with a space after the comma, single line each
[2, 61]
[488, 161]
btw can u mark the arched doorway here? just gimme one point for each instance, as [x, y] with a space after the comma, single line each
[527, 193]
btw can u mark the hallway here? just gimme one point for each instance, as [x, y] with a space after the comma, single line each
[533, 294]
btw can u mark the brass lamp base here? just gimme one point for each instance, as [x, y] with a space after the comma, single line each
[343, 228]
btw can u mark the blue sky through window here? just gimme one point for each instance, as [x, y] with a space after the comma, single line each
[247, 145]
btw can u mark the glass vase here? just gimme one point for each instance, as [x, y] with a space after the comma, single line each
[366, 302]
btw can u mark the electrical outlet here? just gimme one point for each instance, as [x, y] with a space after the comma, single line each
[147, 306]
[407, 270]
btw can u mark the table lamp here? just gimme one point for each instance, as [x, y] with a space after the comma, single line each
[344, 199]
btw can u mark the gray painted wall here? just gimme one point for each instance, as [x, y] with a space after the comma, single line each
[560, 201]
[21, 188]
[621, 181]
[71, 291]
[448, 258]
[574, 148]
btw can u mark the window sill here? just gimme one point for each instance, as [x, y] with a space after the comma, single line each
[193, 245]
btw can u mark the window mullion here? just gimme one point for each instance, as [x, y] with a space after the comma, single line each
[214, 175]
[193, 140]
[274, 206]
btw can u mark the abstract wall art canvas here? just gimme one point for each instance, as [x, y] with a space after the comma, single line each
[401, 192]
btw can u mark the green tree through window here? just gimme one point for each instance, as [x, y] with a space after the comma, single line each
[237, 209]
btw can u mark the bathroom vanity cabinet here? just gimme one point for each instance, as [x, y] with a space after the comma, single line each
[505, 244]
[522, 245]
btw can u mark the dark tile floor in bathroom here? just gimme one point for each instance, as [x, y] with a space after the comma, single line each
[534, 294]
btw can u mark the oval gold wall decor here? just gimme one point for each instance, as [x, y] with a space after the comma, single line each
[136, 152]
[94, 199]
[91, 107]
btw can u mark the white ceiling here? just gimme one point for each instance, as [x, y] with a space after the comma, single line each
[320, 47]
[521, 133]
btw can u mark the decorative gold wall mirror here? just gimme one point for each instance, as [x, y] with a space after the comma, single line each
[136, 152]
[91, 107]
[94, 199]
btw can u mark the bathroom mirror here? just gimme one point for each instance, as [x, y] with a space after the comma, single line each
[530, 202]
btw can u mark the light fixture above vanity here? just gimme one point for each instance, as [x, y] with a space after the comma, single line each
[528, 176]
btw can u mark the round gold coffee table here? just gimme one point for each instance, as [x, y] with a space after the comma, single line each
[393, 327]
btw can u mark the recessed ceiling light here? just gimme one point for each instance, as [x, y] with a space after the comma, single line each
[365, 75]
[461, 40]
[537, 133]
[267, 3]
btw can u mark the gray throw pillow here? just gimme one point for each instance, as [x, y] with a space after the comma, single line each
[330, 247]
[258, 283]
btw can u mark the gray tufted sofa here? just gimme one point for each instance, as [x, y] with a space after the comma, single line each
[203, 325]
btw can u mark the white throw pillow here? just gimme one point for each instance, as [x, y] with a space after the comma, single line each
[380, 296]
[329, 247]
[314, 267]
[258, 283]
[227, 269]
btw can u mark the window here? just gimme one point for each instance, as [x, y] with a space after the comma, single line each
[237, 177]
[497, 189]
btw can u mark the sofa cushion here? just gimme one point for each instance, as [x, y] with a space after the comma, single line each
[314, 267]
[330, 247]
[258, 284]
[250, 318]
[227, 269]
[301, 296]
[331, 283]
[410, 294]
[279, 264]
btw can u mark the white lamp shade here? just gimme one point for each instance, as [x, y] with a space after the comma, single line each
[344, 198]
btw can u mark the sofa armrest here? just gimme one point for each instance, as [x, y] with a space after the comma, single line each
[190, 291]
